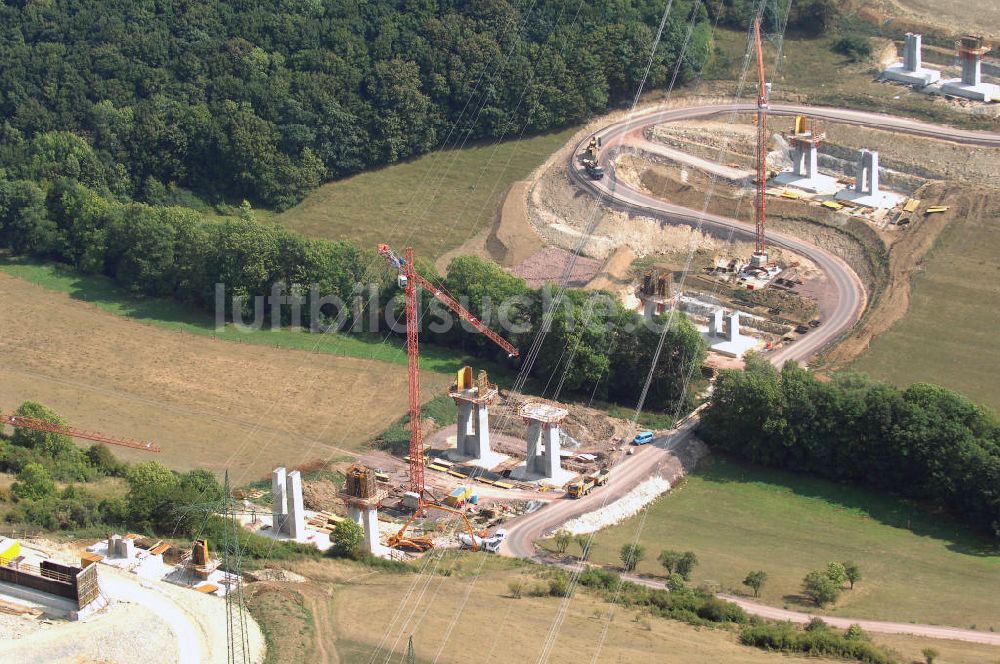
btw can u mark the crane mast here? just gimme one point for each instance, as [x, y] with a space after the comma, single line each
[409, 280]
[759, 258]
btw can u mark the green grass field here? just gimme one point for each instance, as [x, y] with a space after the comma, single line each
[435, 202]
[811, 72]
[952, 320]
[738, 519]
[171, 315]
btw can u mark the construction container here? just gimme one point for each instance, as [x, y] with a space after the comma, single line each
[459, 496]
[9, 549]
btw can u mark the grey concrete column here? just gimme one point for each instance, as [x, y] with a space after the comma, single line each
[480, 445]
[873, 172]
[466, 427]
[354, 514]
[370, 525]
[811, 160]
[972, 71]
[715, 323]
[534, 447]
[734, 326]
[279, 504]
[912, 58]
[550, 461]
[296, 519]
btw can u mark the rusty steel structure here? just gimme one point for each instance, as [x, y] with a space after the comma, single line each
[51, 427]
[409, 280]
[759, 258]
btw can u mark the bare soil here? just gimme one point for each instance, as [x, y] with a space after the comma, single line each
[207, 403]
[550, 265]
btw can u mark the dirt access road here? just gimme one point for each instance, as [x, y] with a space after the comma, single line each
[846, 310]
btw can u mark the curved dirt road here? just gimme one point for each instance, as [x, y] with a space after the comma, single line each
[838, 318]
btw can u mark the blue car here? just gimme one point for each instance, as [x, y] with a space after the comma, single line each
[643, 437]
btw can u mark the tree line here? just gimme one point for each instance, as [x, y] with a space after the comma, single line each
[601, 348]
[263, 100]
[925, 442]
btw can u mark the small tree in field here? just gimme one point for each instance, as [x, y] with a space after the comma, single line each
[820, 587]
[669, 560]
[930, 654]
[686, 564]
[852, 572]
[631, 555]
[755, 581]
[562, 539]
[837, 573]
[586, 545]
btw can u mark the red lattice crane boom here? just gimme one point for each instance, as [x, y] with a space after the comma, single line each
[759, 258]
[50, 427]
[409, 279]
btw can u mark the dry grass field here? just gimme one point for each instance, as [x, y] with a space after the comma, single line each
[207, 403]
[344, 613]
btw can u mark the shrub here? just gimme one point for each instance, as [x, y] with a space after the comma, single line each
[718, 610]
[33, 483]
[515, 588]
[855, 47]
[347, 538]
[820, 587]
[818, 641]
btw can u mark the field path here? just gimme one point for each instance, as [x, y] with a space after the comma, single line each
[877, 626]
[839, 318]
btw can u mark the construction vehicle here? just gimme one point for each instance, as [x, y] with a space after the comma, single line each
[593, 169]
[51, 427]
[936, 208]
[591, 159]
[490, 544]
[401, 541]
[588, 483]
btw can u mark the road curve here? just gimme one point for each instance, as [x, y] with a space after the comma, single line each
[839, 318]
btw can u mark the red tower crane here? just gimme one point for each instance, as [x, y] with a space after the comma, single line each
[50, 427]
[759, 258]
[408, 280]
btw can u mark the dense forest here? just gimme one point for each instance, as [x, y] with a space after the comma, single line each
[264, 100]
[925, 442]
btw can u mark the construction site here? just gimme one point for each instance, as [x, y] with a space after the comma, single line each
[771, 227]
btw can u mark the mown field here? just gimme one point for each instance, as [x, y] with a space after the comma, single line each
[737, 519]
[948, 334]
[434, 203]
[811, 72]
[103, 293]
[208, 403]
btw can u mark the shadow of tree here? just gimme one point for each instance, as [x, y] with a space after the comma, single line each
[885, 508]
